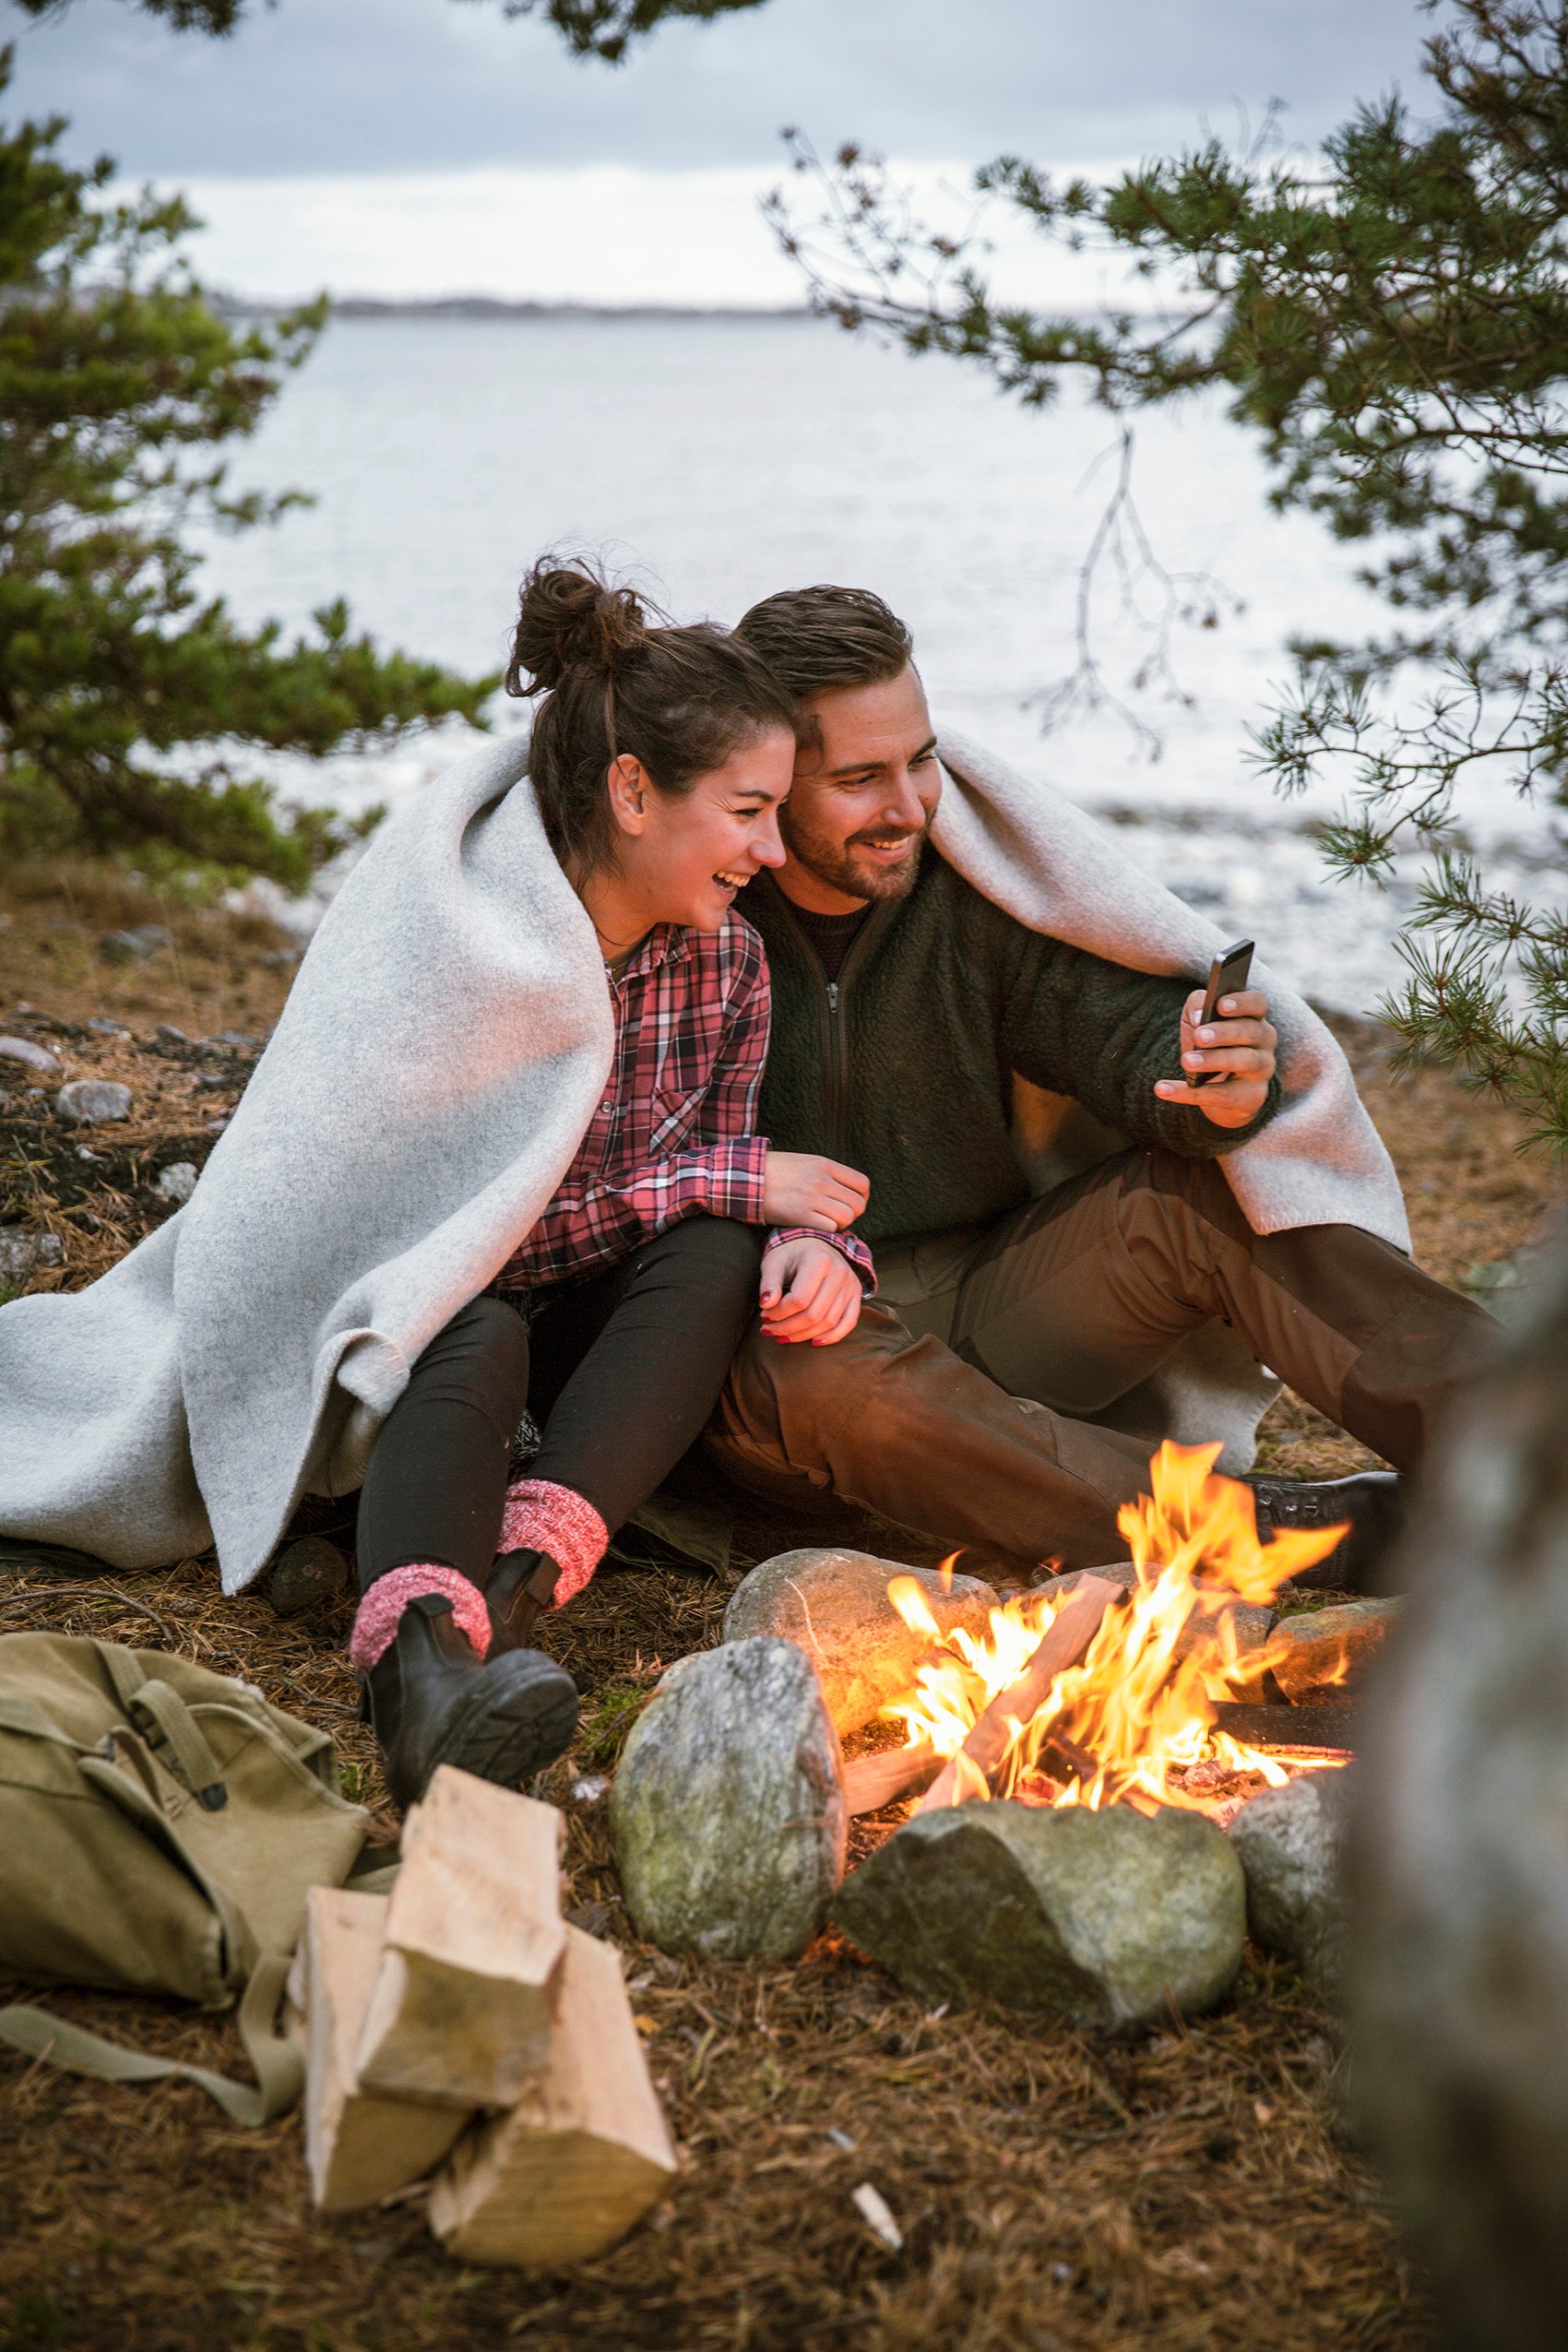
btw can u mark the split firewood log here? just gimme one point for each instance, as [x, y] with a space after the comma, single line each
[870, 1782]
[460, 2012]
[359, 2146]
[990, 1743]
[583, 2154]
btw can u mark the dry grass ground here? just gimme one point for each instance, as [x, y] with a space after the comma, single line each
[1056, 2192]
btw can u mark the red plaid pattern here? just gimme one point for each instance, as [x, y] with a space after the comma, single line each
[672, 1136]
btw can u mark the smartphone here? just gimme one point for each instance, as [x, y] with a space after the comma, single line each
[1227, 977]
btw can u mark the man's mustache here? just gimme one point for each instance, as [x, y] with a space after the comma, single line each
[879, 835]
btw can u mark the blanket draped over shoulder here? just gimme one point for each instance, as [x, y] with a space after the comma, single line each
[422, 1095]
[440, 1055]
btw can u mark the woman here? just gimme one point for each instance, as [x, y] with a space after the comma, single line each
[659, 758]
[497, 1155]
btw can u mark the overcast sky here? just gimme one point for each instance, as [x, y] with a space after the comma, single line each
[422, 146]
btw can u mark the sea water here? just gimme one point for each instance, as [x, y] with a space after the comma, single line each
[715, 460]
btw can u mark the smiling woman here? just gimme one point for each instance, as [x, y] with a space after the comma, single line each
[550, 1195]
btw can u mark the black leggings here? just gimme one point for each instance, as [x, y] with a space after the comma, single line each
[621, 1372]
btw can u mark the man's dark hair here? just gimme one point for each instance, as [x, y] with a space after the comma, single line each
[817, 638]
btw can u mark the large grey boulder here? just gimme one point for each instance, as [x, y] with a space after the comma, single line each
[834, 1606]
[1291, 1844]
[1106, 1919]
[1327, 1649]
[728, 1812]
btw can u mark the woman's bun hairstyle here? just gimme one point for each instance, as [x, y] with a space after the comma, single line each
[571, 621]
[681, 701]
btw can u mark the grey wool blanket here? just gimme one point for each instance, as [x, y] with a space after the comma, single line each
[424, 1092]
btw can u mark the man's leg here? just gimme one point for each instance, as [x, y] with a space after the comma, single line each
[1070, 1302]
[901, 1427]
[1103, 1277]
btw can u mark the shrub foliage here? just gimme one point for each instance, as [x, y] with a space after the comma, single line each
[127, 700]
[1391, 321]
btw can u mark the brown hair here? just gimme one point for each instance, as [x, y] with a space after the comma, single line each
[680, 700]
[817, 638]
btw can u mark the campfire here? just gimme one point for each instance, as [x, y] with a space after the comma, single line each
[1096, 1692]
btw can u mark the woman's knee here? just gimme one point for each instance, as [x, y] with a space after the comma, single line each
[483, 1352]
[715, 1252]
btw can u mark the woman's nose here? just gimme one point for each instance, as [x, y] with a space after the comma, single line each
[765, 845]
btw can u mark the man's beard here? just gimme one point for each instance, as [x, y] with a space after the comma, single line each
[837, 863]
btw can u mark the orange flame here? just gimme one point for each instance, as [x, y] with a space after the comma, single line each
[1136, 1709]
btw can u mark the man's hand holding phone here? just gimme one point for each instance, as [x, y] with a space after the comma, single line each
[1228, 1045]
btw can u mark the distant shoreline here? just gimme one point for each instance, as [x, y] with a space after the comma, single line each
[489, 306]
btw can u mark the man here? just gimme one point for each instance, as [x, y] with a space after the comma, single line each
[913, 1016]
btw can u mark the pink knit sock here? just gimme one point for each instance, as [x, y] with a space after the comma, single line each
[541, 1516]
[375, 1621]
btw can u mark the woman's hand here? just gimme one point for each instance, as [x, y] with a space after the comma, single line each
[1239, 1044]
[804, 1188]
[809, 1292]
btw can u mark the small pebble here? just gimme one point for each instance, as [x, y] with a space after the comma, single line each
[134, 947]
[22, 1253]
[167, 1033]
[109, 1029]
[36, 1057]
[177, 1181]
[306, 1574]
[873, 2210]
[589, 1789]
[89, 1103]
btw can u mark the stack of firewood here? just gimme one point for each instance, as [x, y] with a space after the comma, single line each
[459, 2026]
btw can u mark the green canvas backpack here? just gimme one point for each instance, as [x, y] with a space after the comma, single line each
[160, 1828]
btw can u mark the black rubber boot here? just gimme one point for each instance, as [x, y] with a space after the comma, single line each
[1372, 1501]
[518, 1586]
[433, 1701]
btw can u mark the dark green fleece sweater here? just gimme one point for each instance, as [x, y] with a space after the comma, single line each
[903, 1068]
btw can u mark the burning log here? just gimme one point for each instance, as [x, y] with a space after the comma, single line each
[986, 1749]
[1329, 1729]
[870, 1782]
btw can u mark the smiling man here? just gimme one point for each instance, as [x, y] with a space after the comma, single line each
[922, 1034]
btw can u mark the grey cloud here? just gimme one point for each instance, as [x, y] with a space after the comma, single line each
[411, 85]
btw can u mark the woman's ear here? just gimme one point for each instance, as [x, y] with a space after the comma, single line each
[626, 782]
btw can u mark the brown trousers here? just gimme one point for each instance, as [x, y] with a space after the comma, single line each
[968, 1428]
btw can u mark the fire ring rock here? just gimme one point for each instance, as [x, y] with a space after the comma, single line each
[1291, 1844]
[1327, 1649]
[728, 1810]
[834, 1606]
[1106, 1919]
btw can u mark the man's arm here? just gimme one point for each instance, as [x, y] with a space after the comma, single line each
[1116, 1040]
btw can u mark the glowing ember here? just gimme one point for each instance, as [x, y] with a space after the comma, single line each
[1132, 1722]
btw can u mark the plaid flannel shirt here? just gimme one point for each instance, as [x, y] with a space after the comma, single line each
[672, 1136]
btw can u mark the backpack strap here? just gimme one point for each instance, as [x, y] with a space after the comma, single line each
[280, 2068]
[162, 1718]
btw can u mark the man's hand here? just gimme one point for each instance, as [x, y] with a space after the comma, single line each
[1240, 1044]
[809, 1292]
[804, 1188]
